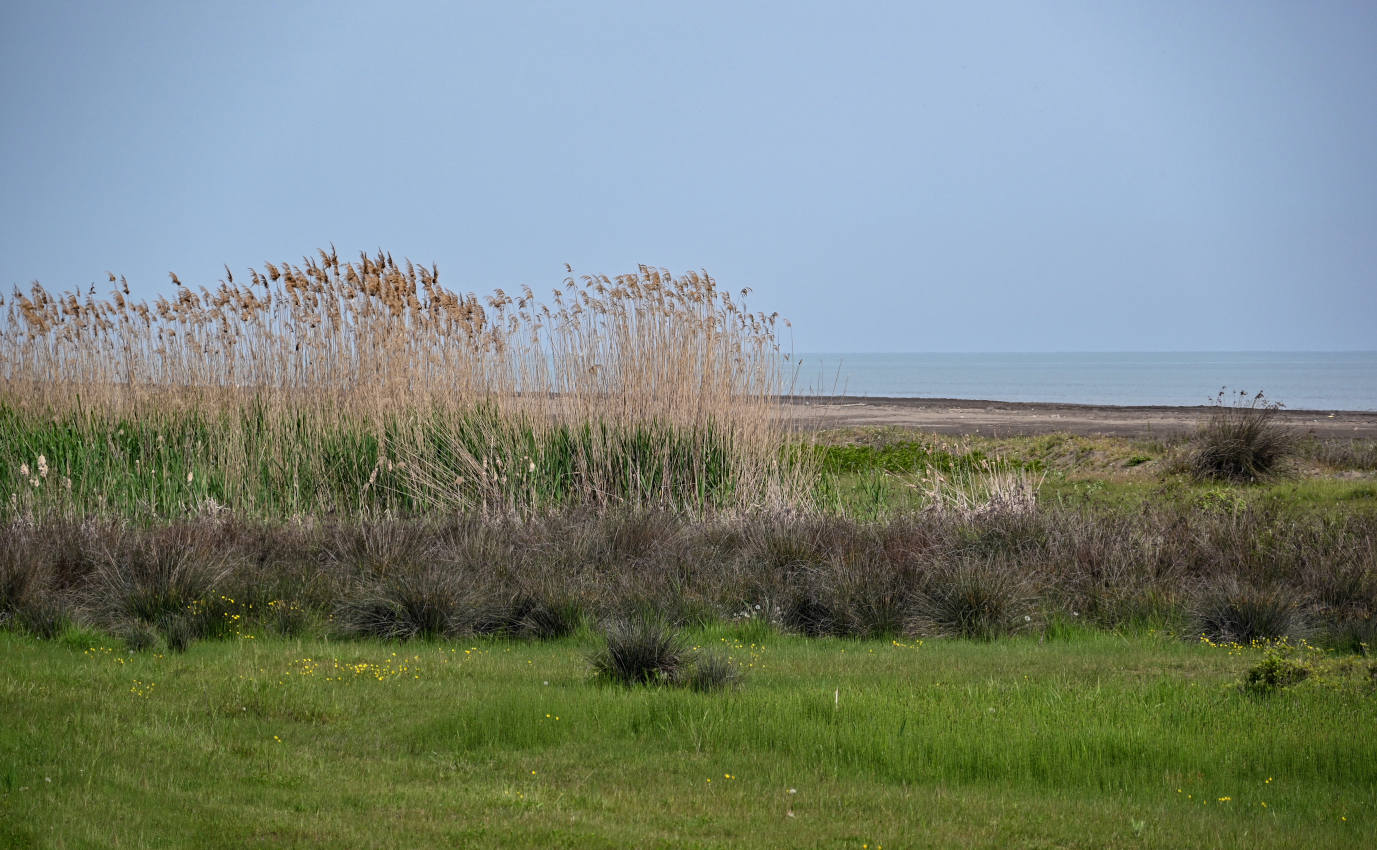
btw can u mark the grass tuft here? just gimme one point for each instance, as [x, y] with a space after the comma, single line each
[427, 602]
[712, 671]
[1241, 441]
[980, 599]
[150, 577]
[1233, 611]
[641, 651]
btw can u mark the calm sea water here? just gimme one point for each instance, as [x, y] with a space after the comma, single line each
[1308, 380]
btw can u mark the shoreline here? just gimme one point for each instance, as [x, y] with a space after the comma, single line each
[1029, 418]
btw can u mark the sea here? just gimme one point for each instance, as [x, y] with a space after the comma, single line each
[1299, 380]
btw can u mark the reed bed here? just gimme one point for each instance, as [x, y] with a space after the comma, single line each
[333, 387]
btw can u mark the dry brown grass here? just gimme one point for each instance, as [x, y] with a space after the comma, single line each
[644, 359]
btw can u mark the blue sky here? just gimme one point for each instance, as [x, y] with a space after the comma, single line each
[890, 176]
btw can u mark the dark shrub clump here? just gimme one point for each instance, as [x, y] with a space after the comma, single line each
[975, 599]
[427, 602]
[641, 651]
[1234, 612]
[1241, 441]
[165, 579]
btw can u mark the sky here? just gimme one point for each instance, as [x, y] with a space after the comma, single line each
[891, 177]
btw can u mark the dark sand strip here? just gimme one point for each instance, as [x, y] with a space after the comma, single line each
[1008, 419]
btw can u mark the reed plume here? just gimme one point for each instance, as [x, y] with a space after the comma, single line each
[647, 388]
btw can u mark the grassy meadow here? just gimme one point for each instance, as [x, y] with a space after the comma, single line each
[337, 556]
[1084, 740]
[1087, 739]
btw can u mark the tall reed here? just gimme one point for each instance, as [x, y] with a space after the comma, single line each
[344, 386]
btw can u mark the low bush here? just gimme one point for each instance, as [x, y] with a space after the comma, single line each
[25, 583]
[138, 636]
[158, 575]
[41, 616]
[1232, 611]
[1240, 441]
[1169, 565]
[179, 631]
[426, 602]
[1358, 455]
[981, 599]
[286, 617]
[1353, 634]
[540, 619]
[712, 671]
[641, 651]
[1273, 673]
[805, 609]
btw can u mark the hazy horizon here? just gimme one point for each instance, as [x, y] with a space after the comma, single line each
[1300, 380]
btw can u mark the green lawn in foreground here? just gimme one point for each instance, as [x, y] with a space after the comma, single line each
[1093, 740]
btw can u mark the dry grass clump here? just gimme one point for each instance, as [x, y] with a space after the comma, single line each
[29, 598]
[1356, 455]
[1241, 441]
[646, 388]
[992, 489]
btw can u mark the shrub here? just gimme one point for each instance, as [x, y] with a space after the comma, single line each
[1340, 454]
[377, 550]
[712, 671]
[426, 602]
[1354, 634]
[1241, 441]
[867, 597]
[28, 600]
[977, 599]
[542, 619]
[994, 489]
[179, 631]
[1235, 612]
[286, 617]
[151, 576]
[1273, 673]
[805, 609]
[641, 651]
[137, 635]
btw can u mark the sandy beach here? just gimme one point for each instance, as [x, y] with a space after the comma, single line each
[1004, 419]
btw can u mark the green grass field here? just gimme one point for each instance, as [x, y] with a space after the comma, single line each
[1081, 739]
